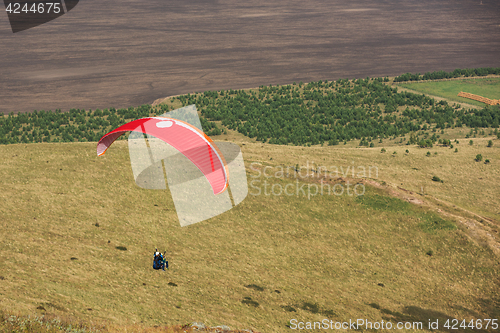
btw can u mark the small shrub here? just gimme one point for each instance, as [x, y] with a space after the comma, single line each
[328, 313]
[490, 143]
[437, 179]
[456, 150]
[435, 153]
[311, 307]
[425, 143]
[407, 151]
[430, 253]
[372, 145]
[486, 161]
[288, 308]
[255, 287]
[471, 142]
[121, 248]
[249, 301]
[394, 153]
[479, 158]
[382, 150]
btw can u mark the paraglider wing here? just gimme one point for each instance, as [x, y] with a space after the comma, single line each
[187, 139]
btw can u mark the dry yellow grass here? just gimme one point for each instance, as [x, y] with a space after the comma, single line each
[332, 251]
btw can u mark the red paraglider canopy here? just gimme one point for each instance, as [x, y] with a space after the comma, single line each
[187, 139]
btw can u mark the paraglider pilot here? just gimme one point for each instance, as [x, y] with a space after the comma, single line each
[159, 260]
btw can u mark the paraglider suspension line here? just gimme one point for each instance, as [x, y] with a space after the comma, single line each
[211, 157]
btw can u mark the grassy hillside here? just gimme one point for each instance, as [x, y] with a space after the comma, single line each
[78, 235]
[486, 87]
[363, 110]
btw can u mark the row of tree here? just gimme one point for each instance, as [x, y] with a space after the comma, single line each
[437, 75]
[77, 124]
[299, 114]
[333, 112]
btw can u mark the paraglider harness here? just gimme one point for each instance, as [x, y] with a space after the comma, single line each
[159, 261]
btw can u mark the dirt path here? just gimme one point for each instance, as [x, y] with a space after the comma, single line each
[483, 230]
